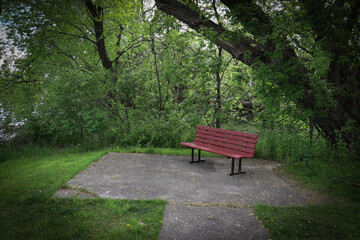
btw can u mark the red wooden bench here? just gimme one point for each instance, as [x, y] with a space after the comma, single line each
[232, 144]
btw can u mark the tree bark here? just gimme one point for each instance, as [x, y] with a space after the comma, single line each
[218, 90]
[96, 14]
[153, 50]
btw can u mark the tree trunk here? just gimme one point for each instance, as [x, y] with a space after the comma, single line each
[218, 90]
[96, 14]
[153, 50]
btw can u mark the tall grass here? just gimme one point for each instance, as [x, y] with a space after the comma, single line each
[315, 163]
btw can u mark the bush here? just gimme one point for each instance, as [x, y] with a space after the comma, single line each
[291, 145]
[151, 131]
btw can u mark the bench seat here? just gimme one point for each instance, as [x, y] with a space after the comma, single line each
[217, 150]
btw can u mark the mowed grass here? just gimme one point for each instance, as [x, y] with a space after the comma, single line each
[29, 178]
[28, 181]
[82, 219]
[38, 173]
[312, 222]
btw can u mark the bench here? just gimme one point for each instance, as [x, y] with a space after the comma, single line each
[232, 144]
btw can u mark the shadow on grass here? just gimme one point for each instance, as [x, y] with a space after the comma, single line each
[38, 218]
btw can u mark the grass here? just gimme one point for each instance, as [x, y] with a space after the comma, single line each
[82, 219]
[337, 218]
[314, 165]
[313, 222]
[39, 173]
[28, 180]
[320, 175]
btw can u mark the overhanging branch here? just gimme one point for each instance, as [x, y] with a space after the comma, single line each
[243, 48]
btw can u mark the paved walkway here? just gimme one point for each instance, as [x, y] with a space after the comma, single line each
[204, 201]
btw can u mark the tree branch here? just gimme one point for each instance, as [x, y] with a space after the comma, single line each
[95, 13]
[243, 48]
[13, 83]
[77, 36]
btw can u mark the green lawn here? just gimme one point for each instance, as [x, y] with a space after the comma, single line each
[337, 218]
[313, 222]
[28, 211]
[29, 178]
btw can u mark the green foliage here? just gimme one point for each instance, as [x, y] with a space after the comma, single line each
[314, 163]
[148, 130]
[151, 83]
[309, 64]
[285, 145]
[295, 146]
[71, 97]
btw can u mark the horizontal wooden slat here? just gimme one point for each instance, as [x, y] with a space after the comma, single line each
[235, 133]
[188, 144]
[225, 135]
[229, 139]
[221, 151]
[225, 140]
[232, 137]
[225, 146]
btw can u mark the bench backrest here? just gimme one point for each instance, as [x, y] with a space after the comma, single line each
[221, 138]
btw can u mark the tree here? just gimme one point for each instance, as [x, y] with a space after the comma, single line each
[95, 36]
[306, 51]
[92, 67]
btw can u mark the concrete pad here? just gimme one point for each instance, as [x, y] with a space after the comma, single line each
[210, 223]
[73, 193]
[200, 194]
[146, 176]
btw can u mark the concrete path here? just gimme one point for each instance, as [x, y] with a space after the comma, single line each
[204, 201]
[197, 222]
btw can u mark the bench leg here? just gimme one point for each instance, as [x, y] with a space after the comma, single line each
[233, 167]
[192, 155]
[240, 163]
[199, 156]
